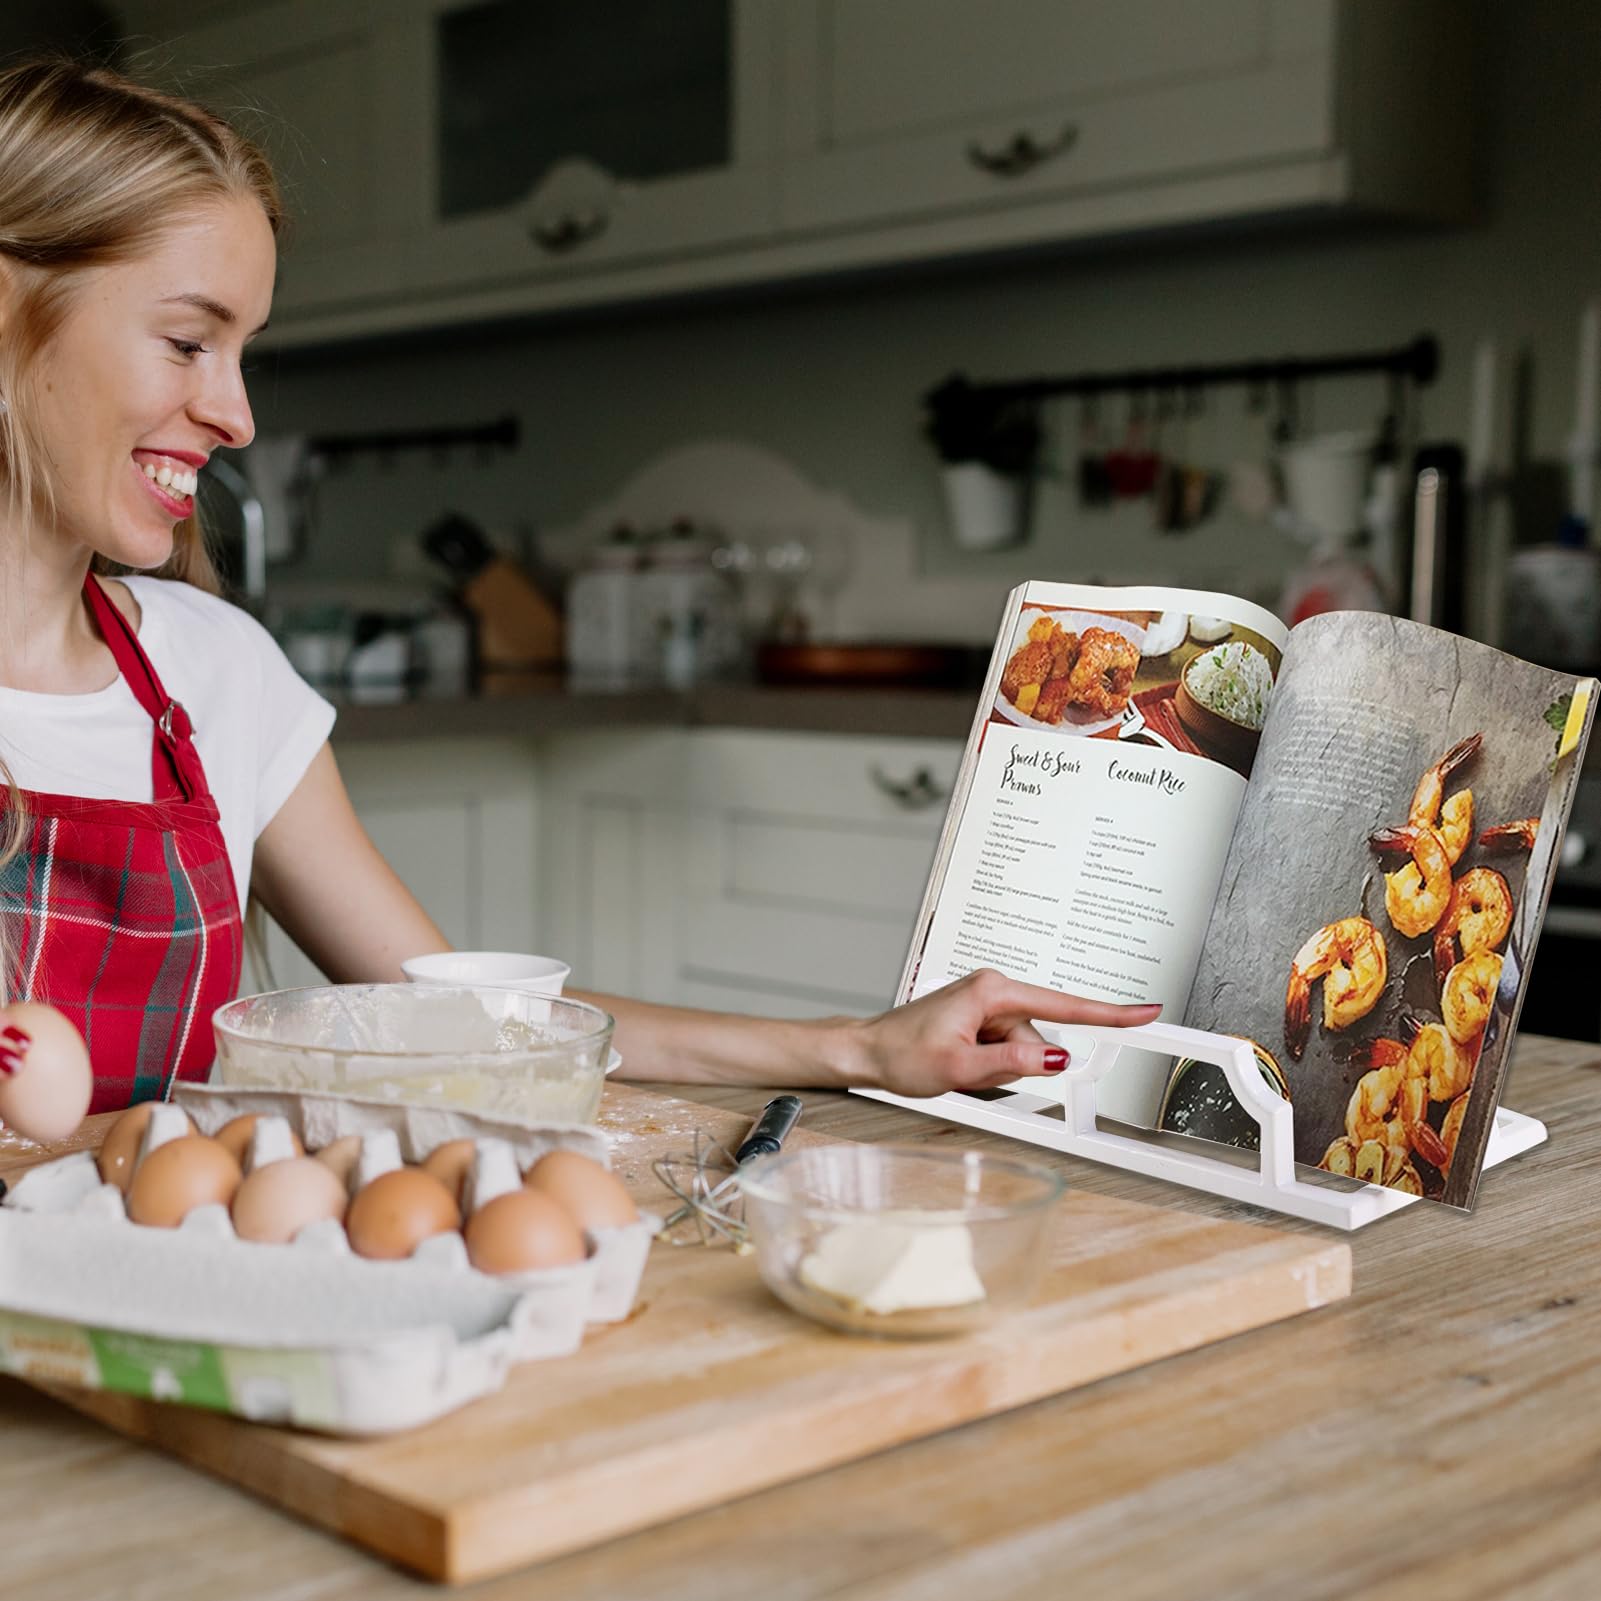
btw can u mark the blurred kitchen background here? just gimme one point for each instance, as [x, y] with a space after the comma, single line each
[644, 449]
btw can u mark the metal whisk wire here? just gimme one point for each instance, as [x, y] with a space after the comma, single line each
[702, 1180]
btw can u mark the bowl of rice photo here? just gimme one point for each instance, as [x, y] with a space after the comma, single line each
[1222, 700]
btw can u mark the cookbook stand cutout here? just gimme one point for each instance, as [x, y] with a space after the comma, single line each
[1273, 1184]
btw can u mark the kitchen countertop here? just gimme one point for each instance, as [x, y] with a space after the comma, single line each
[553, 708]
[1438, 1434]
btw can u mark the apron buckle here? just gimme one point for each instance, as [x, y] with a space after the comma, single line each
[174, 721]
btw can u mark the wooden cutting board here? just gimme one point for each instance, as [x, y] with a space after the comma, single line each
[713, 1389]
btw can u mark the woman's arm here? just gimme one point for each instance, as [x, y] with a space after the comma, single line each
[331, 891]
[974, 1034]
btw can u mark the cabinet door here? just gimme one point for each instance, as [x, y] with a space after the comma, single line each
[806, 863]
[564, 140]
[611, 858]
[457, 821]
[899, 107]
[315, 82]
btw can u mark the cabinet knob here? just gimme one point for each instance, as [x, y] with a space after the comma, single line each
[916, 793]
[1022, 153]
[569, 231]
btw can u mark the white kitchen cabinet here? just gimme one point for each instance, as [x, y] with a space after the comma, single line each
[573, 141]
[742, 871]
[1062, 118]
[318, 83]
[611, 851]
[432, 148]
[771, 873]
[806, 856]
[462, 160]
[458, 821]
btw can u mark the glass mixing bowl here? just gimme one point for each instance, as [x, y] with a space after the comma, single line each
[899, 1240]
[498, 1052]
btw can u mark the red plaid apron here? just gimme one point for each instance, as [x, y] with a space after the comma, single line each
[125, 915]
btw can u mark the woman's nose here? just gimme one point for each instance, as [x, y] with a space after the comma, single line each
[223, 406]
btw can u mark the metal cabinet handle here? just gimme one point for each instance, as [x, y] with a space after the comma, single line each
[1022, 153]
[569, 231]
[916, 793]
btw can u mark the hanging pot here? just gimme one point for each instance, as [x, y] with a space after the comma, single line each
[987, 510]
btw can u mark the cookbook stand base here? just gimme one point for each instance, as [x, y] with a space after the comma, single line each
[1268, 1178]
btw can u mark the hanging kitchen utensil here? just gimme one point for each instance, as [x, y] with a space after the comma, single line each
[1094, 482]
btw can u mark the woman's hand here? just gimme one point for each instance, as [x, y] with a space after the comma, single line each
[976, 1034]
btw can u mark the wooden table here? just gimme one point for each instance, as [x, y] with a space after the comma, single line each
[1439, 1434]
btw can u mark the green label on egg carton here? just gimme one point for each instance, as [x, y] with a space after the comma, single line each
[267, 1385]
[164, 1370]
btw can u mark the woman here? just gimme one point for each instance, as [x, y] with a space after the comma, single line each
[161, 756]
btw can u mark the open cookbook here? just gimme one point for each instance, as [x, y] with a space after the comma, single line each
[1336, 841]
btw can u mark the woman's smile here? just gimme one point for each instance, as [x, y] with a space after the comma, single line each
[170, 477]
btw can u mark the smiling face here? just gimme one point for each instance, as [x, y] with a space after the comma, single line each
[142, 380]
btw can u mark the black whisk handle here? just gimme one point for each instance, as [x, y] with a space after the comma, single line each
[771, 1128]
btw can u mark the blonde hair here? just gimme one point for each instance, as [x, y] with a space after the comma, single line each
[94, 167]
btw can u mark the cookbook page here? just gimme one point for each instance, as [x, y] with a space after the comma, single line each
[1384, 890]
[1087, 832]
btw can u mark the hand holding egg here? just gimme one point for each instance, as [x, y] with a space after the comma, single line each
[45, 1079]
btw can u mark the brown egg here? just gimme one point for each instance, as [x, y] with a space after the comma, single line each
[47, 1090]
[394, 1214]
[593, 1197]
[275, 1202]
[450, 1163]
[120, 1148]
[179, 1176]
[234, 1136]
[520, 1231]
[340, 1157]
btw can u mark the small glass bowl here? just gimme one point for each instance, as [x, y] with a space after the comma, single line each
[899, 1240]
[497, 1052]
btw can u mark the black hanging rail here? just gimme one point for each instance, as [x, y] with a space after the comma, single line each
[1419, 361]
[502, 434]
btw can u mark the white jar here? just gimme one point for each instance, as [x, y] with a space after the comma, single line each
[603, 624]
[690, 621]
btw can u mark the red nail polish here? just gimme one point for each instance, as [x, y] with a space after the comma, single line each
[9, 1063]
[19, 1039]
[1056, 1059]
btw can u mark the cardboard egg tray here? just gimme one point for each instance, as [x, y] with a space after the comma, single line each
[308, 1333]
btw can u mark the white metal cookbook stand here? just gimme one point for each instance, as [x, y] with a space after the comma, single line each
[1068, 1123]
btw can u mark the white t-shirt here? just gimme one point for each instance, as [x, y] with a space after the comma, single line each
[257, 723]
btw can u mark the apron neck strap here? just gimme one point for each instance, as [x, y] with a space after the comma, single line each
[175, 766]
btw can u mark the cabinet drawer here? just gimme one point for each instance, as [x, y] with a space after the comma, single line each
[1276, 112]
[837, 778]
[894, 67]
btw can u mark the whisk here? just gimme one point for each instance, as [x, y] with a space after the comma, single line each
[703, 1179]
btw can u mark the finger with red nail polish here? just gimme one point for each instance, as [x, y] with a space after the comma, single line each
[1056, 1059]
[19, 1040]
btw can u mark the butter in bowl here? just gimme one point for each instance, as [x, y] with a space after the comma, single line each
[899, 1241]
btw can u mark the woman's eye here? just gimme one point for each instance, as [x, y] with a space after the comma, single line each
[186, 347]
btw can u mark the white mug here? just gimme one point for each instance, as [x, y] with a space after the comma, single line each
[537, 975]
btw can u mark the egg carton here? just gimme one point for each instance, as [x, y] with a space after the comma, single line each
[306, 1333]
[321, 1117]
[275, 1334]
